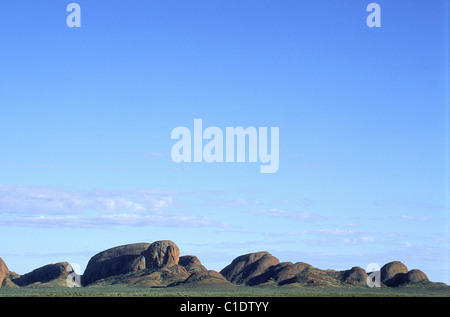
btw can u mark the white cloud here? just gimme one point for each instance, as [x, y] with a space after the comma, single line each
[410, 205]
[414, 218]
[301, 215]
[297, 233]
[335, 236]
[31, 200]
[107, 221]
[49, 207]
[237, 202]
[154, 154]
[335, 231]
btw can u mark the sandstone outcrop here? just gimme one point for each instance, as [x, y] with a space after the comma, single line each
[261, 268]
[191, 263]
[284, 272]
[44, 274]
[131, 258]
[416, 276]
[159, 264]
[249, 266]
[115, 261]
[393, 273]
[206, 277]
[355, 276]
[3, 271]
[161, 253]
[148, 264]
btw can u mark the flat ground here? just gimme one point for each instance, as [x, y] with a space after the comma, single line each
[225, 291]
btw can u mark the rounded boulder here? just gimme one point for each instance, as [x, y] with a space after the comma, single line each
[416, 276]
[115, 261]
[355, 276]
[205, 277]
[161, 253]
[393, 273]
[248, 268]
[3, 271]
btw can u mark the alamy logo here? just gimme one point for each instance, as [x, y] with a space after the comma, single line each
[374, 277]
[374, 18]
[74, 18]
[74, 277]
[213, 151]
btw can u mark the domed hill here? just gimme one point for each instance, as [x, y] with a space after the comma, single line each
[191, 263]
[205, 277]
[396, 273]
[3, 271]
[115, 261]
[246, 267]
[131, 258]
[7, 282]
[151, 265]
[159, 264]
[355, 276]
[56, 273]
[262, 268]
[416, 276]
[392, 273]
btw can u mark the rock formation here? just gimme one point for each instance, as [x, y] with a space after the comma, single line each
[155, 264]
[355, 276]
[44, 274]
[205, 277]
[159, 264]
[249, 266]
[131, 258]
[191, 263]
[416, 276]
[393, 273]
[262, 268]
[161, 253]
[3, 271]
[115, 261]
[286, 271]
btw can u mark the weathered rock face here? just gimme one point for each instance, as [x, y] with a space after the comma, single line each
[393, 273]
[159, 264]
[131, 258]
[355, 276]
[205, 277]
[281, 273]
[115, 261]
[123, 250]
[416, 276]
[246, 269]
[7, 282]
[286, 271]
[3, 271]
[262, 268]
[44, 274]
[161, 253]
[191, 263]
[311, 276]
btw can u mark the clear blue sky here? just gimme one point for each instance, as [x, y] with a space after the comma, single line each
[87, 114]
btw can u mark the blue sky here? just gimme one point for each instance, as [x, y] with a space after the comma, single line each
[87, 115]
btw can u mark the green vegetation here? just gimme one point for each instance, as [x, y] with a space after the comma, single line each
[224, 291]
